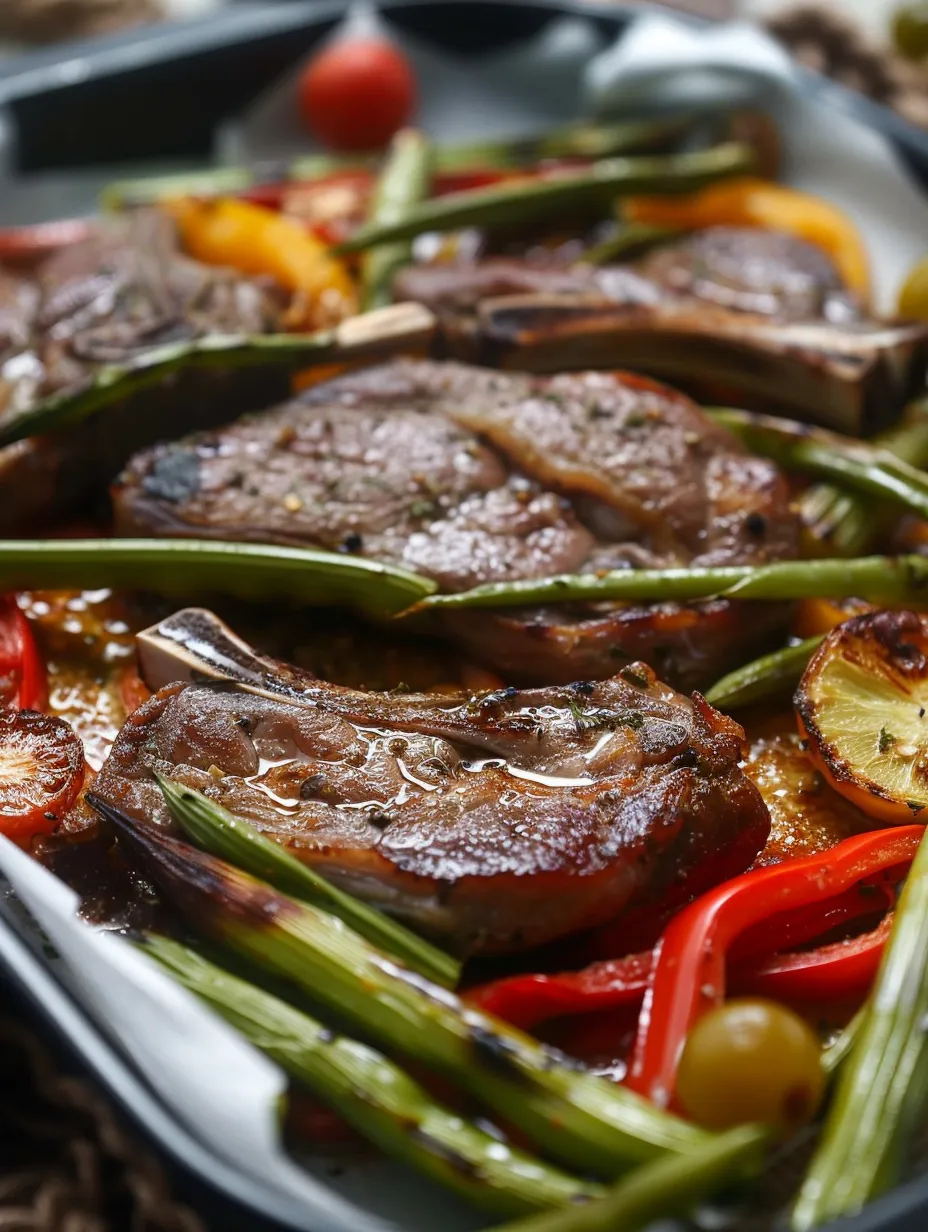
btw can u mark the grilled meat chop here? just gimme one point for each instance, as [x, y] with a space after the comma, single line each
[123, 292]
[729, 314]
[498, 821]
[472, 476]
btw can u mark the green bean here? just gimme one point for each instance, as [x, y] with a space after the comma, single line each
[768, 676]
[404, 182]
[523, 201]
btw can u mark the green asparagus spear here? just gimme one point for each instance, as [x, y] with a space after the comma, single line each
[375, 1096]
[768, 676]
[367, 336]
[576, 1118]
[668, 1186]
[882, 1088]
[879, 578]
[522, 201]
[871, 471]
[629, 240]
[191, 566]
[404, 182]
[218, 832]
[850, 523]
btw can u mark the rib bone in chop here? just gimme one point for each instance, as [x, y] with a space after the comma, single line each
[496, 821]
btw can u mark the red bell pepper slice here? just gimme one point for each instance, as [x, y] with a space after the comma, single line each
[690, 959]
[23, 684]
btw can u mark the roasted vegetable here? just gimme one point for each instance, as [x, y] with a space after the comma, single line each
[768, 676]
[248, 570]
[576, 1118]
[863, 707]
[875, 472]
[751, 1062]
[23, 683]
[882, 1089]
[403, 183]
[215, 830]
[375, 1096]
[888, 578]
[356, 92]
[526, 200]
[255, 240]
[41, 773]
[689, 977]
[669, 1186]
[759, 203]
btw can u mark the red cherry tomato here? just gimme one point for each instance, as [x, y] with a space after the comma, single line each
[41, 773]
[356, 94]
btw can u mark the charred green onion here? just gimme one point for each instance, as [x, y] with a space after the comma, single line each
[523, 200]
[580, 1120]
[375, 1096]
[765, 677]
[403, 183]
[879, 578]
[368, 336]
[191, 566]
[218, 832]
[669, 1186]
[882, 1087]
[870, 471]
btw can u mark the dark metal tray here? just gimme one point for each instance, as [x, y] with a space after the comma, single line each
[97, 106]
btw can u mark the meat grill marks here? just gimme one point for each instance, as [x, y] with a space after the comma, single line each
[106, 300]
[472, 476]
[497, 822]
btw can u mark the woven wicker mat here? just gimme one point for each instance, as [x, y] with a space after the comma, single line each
[69, 1164]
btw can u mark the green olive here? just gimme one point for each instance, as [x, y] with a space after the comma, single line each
[751, 1061]
[913, 298]
[910, 30]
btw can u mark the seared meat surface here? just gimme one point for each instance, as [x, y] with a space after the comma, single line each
[497, 821]
[106, 301]
[743, 269]
[472, 476]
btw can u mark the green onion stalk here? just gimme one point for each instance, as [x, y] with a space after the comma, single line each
[218, 832]
[375, 1096]
[881, 1096]
[576, 1119]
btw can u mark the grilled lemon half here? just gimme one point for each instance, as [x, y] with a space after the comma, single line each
[862, 706]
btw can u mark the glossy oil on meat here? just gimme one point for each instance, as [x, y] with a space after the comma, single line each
[497, 821]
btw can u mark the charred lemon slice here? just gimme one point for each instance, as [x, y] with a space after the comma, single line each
[863, 708]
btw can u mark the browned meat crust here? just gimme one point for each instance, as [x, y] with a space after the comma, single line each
[497, 821]
[472, 476]
[122, 292]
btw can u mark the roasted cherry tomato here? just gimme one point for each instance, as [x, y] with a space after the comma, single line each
[751, 1061]
[357, 93]
[41, 772]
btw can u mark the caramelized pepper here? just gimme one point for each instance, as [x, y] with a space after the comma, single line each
[749, 202]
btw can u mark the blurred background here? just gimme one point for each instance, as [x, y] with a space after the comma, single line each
[879, 47]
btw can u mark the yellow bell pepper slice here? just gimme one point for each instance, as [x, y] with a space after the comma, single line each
[750, 202]
[259, 241]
